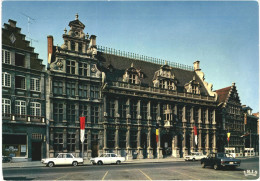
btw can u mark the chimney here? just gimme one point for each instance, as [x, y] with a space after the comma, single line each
[196, 65]
[12, 23]
[50, 47]
[93, 41]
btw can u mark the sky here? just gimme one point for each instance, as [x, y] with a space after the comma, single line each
[222, 35]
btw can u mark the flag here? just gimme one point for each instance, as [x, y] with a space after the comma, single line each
[82, 129]
[196, 135]
[157, 133]
[228, 136]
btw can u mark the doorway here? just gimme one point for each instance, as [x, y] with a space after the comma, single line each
[36, 151]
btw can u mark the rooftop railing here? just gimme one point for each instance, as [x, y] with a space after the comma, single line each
[142, 58]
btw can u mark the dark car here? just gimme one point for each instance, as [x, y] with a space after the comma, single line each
[220, 160]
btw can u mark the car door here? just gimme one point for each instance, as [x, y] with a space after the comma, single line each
[69, 159]
[59, 160]
[107, 159]
[113, 158]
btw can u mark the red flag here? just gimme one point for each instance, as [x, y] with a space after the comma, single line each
[82, 129]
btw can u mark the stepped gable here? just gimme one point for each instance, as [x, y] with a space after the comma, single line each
[12, 36]
[223, 94]
[118, 66]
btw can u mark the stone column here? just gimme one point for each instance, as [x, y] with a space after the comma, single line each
[214, 141]
[149, 149]
[184, 149]
[207, 116]
[105, 138]
[192, 114]
[129, 155]
[101, 142]
[207, 141]
[192, 141]
[77, 137]
[175, 149]
[64, 141]
[199, 140]
[117, 141]
[139, 147]
[89, 151]
[184, 114]
[159, 148]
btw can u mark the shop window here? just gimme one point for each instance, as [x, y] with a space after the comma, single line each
[6, 57]
[14, 145]
[58, 142]
[35, 109]
[19, 59]
[6, 79]
[19, 82]
[35, 84]
[6, 106]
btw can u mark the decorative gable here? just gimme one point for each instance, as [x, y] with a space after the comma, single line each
[193, 86]
[164, 78]
[133, 75]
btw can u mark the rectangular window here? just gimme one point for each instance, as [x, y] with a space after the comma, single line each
[188, 116]
[71, 142]
[35, 109]
[110, 138]
[20, 107]
[6, 79]
[94, 114]
[196, 115]
[94, 92]
[133, 109]
[162, 84]
[70, 89]
[58, 112]
[122, 108]
[6, 58]
[57, 87]
[203, 115]
[80, 47]
[83, 91]
[19, 59]
[154, 111]
[35, 84]
[111, 107]
[58, 141]
[144, 110]
[71, 113]
[6, 106]
[122, 139]
[19, 82]
[179, 113]
[133, 142]
[83, 69]
[72, 45]
[83, 109]
[132, 79]
[71, 66]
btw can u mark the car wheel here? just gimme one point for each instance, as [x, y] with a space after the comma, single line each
[100, 163]
[118, 162]
[203, 165]
[216, 167]
[50, 164]
[75, 164]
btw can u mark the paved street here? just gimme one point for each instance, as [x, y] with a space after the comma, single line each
[134, 171]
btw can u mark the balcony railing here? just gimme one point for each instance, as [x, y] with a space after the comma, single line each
[142, 58]
[161, 91]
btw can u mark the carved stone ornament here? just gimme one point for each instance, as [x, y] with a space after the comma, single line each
[59, 63]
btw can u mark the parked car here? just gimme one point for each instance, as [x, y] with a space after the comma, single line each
[195, 156]
[220, 160]
[6, 159]
[62, 159]
[107, 158]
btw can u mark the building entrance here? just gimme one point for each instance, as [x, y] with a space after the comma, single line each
[36, 151]
[94, 145]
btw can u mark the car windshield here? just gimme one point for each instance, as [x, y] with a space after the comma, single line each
[194, 153]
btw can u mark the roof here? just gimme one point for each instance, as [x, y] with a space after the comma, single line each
[223, 94]
[118, 65]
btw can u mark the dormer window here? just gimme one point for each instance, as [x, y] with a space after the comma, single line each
[132, 75]
[192, 87]
[132, 79]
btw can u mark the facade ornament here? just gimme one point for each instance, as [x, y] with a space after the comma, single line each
[65, 31]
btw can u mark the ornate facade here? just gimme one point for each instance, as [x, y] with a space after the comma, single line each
[123, 98]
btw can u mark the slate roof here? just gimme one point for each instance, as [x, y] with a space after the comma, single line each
[223, 94]
[121, 64]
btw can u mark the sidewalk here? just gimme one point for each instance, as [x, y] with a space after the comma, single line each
[86, 162]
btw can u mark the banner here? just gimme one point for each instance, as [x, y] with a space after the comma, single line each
[228, 136]
[157, 133]
[82, 129]
[196, 135]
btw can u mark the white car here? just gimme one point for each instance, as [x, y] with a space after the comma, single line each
[195, 156]
[62, 159]
[107, 158]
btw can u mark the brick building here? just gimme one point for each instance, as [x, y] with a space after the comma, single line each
[23, 97]
[123, 96]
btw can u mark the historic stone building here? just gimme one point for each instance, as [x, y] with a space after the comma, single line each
[123, 96]
[230, 119]
[23, 97]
